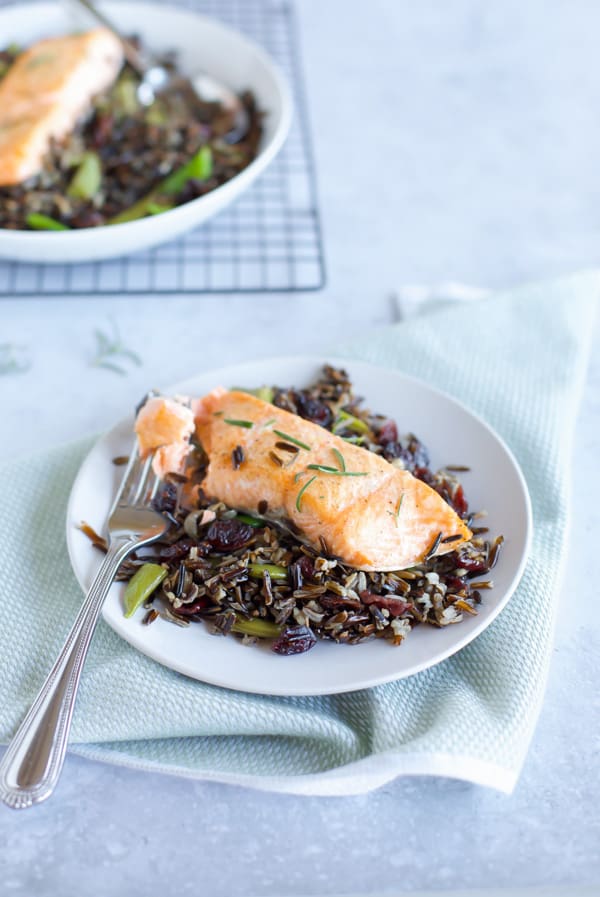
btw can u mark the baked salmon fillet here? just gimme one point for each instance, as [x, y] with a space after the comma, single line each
[47, 89]
[266, 461]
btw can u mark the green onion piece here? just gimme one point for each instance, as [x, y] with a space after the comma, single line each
[256, 626]
[141, 585]
[238, 423]
[87, 179]
[43, 222]
[155, 208]
[265, 393]
[275, 572]
[251, 521]
[156, 114]
[198, 168]
[303, 490]
[125, 95]
[340, 458]
[291, 439]
[351, 422]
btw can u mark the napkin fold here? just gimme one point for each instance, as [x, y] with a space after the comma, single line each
[518, 359]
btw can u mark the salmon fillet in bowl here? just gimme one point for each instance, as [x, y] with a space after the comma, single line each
[310, 525]
[107, 227]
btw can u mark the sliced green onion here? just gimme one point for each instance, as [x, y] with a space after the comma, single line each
[251, 521]
[125, 95]
[43, 222]
[87, 179]
[292, 439]
[351, 422]
[274, 571]
[198, 168]
[155, 208]
[141, 585]
[256, 626]
[303, 490]
[264, 393]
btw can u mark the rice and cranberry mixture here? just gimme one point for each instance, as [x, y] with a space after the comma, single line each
[238, 574]
[128, 150]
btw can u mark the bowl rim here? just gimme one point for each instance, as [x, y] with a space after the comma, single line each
[264, 156]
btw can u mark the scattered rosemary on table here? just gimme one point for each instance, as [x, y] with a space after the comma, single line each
[13, 359]
[112, 352]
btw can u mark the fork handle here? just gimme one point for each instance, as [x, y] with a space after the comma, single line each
[34, 758]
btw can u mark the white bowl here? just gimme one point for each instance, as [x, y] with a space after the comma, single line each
[200, 42]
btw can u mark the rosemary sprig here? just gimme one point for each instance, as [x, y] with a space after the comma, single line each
[332, 471]
[238, 423]
[303, 490]
[13, 359]
[399, 506]
[111, 347]
[339, 458]
[292, 439]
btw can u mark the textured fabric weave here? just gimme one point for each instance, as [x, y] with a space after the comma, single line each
[518, 359]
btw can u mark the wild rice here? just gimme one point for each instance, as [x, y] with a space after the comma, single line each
[307, 594]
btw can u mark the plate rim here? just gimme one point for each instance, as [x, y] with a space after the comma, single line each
[135, 639]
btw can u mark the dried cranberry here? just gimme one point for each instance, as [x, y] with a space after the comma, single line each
[454, 583]
[102, 128]
[165, 500]
[228, 535]
[186, 610]
[313, 410]
[396, 606]
[424, 474]
[392, 450]
[471, 564]
[306, 566]
[294, 640]
[178, 550]
[88, 218]
[459, 502]
[418, 451]
[388, 432]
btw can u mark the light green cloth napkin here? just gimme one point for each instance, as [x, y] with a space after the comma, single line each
[518, 359]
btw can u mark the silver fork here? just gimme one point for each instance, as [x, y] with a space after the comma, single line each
[34, 758]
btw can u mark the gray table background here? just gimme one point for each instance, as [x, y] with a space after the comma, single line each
[455, 141]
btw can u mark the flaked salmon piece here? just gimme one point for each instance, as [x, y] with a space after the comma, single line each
[164, 426]
[47, 89]
[371, 514]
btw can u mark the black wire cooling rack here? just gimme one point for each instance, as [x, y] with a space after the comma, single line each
[268, 241]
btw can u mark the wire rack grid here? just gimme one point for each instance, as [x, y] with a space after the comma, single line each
[269, 241]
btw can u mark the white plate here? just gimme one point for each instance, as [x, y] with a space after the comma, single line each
[453, 435]
[199, 42]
